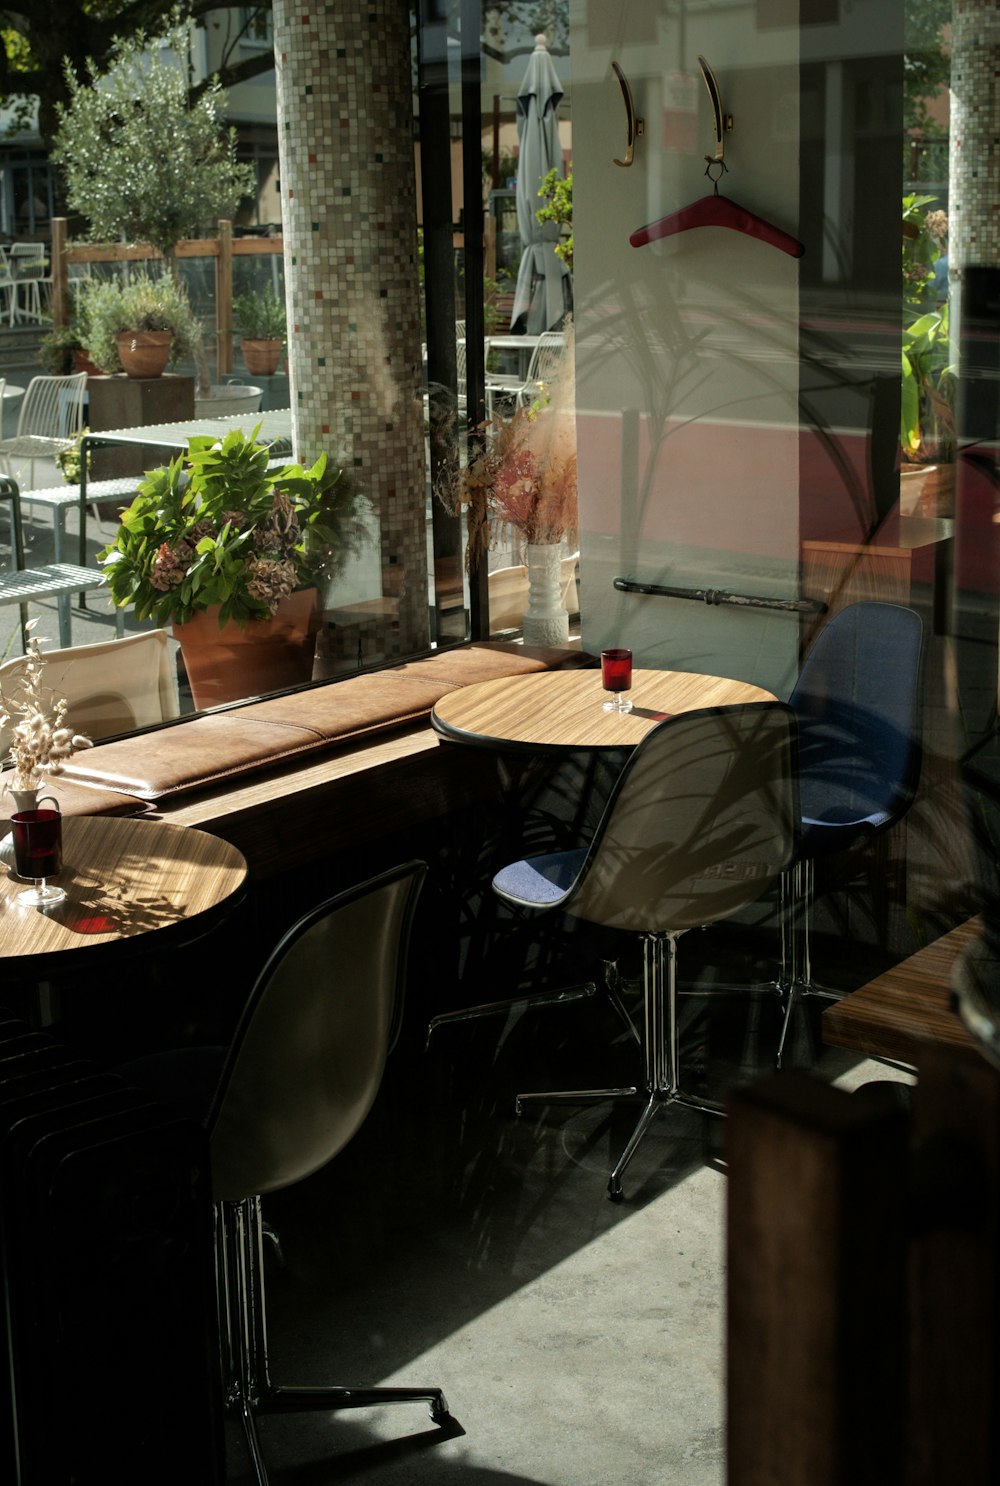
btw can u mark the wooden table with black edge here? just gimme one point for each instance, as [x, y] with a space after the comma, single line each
[563, 710]
[898, 1013]
[125, 880]
[559, 715]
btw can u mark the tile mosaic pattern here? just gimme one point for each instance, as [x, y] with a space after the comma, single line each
[349, 213]
[974, 214]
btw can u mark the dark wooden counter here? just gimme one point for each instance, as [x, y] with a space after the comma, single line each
[898, 1012]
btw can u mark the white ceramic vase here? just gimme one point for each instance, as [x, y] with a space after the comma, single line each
[27, 799]
[546, 621]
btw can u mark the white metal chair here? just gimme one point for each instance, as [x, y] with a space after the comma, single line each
[498, 384]
[50, 419]
[29, 278]
[6, 285]
[113, 686]
[543, 366]
[57, 580]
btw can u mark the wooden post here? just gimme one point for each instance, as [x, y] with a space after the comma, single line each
[224, 300]
[817, 1295]
[954, 1298]
[60, 273]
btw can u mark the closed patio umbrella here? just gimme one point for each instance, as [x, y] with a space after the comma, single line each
[539, 298]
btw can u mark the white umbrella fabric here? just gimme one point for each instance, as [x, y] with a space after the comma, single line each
[539, 300]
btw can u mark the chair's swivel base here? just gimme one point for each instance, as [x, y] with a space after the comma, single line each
[793, 992]
[658, 1099]
[272, 1399]
[278, 1400]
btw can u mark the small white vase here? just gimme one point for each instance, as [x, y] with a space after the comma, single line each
[31, 799]
[546, 621]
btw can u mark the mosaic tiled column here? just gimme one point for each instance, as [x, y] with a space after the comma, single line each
[974, 188]
[348, 190]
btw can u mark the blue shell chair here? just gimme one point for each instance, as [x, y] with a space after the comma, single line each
[289, 1092]
[702, 821]
[857, 704]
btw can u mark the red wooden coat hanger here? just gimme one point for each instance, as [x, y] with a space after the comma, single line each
[716, 210]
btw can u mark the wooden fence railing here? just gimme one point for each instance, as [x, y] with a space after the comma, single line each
[223, 249]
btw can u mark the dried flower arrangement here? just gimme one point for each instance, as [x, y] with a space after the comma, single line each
[41, 742]
[520, 478]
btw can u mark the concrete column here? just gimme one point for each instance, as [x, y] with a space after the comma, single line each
[345, 134]
[974, 205]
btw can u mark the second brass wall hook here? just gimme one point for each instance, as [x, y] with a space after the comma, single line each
[635, 128]
[723, 121]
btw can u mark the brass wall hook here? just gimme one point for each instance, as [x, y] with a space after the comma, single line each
[723, 121]
[634, 128]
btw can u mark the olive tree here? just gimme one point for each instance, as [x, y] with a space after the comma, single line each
[140, 160]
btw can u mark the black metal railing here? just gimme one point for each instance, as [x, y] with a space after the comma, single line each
[717, 596]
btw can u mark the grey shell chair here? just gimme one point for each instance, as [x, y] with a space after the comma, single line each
[702, 821]
[296, 1083]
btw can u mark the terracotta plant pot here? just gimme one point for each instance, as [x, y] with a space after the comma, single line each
[83, 363]
[231, 664]
[262, 358]
[144, 353]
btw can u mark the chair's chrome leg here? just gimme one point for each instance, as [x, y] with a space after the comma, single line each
[494, 1008]
[786, 927]
[807, 877]
[791, 996]
[295, 1400]
[251, 1439]
[799, 983]
[573, 1096]
[615, 1191]
[612, 981]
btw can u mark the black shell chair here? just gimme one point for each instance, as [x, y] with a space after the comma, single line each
[702, 821]
[295, 1084]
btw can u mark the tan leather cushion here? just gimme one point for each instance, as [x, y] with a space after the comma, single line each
[79, 799]
[220, 746]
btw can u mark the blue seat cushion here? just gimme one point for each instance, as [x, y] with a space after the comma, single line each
[540, 882]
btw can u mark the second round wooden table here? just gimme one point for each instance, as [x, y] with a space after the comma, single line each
[565, 709]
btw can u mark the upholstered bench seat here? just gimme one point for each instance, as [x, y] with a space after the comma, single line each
[202, 752]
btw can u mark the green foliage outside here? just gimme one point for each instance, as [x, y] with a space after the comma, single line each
[493, 290]
[146, 301]
[926, 63]
[219, 526]
[259, 314]
[927, 416]
[38, 36]
[139, 160]
[558, 193]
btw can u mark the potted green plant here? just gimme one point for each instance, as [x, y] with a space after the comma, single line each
[62, 349]
[259, 318]
[229, 550]
[927, 394]
[139, 326]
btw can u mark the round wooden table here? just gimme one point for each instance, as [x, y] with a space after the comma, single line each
[124, 879]
[565, 709]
